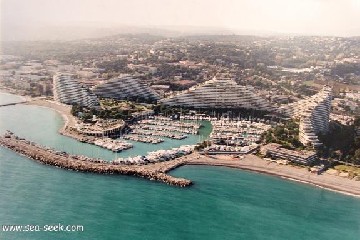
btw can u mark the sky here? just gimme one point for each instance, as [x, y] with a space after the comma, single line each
[314, 17]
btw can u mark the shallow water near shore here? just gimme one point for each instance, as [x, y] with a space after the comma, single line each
[223, 203]
[41, 125]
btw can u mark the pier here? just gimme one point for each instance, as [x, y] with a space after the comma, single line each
[11, 104]
[44, 155]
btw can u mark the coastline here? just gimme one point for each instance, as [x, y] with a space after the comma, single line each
[249, 163]
[65, 112]
[43, 155]
[253, 163]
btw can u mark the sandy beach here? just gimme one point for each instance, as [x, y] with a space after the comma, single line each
[300, 174]
[63, 109]
[65, 112]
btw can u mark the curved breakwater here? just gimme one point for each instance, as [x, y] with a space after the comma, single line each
[156, 172]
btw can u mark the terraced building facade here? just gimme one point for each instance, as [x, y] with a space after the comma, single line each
[219, 94]
[314, 114]
[125, 88]
[68, 91]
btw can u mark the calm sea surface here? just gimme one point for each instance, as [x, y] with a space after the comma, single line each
[223, 203]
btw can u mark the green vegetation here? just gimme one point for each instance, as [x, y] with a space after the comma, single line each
[113, 66]
[166, 70]
[110, 109]
[305, 89]
[167, 110]
[344, 69]
[287, 135]
[342, 142]
[202, 145]
[313, 84]
[86, 114]
[354, 171]
[111, 104]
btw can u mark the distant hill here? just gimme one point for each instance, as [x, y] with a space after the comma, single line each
[76, 32]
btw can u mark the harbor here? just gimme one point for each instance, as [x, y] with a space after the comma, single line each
[162, 127]
[156, 156]
[78, 148]
[157, 171]
[237, 132]
[113, 145]
[66, 128]
[143, 139]
[171, 135]
[162, 123]
[64, 160]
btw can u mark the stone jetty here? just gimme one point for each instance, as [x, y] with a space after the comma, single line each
[155, 172]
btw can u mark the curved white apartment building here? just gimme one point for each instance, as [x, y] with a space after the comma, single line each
[125, 87]
[69, 91]
[313, 113]
[222, 93]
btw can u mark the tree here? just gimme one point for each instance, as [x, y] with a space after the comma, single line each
[357, 121]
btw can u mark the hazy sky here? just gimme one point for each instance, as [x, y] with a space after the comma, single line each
[333, 17]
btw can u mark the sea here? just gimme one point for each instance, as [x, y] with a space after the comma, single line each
[223, 203]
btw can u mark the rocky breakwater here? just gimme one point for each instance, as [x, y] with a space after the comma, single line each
[84, 164]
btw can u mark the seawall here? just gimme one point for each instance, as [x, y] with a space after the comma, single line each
[81, 164]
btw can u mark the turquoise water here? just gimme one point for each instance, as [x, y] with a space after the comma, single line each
[223, 203]
[41, 125]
